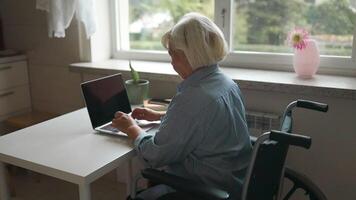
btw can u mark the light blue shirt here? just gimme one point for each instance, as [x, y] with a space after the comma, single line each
[204, 135]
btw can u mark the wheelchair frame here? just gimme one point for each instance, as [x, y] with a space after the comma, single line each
[284, 135]
[299, 180]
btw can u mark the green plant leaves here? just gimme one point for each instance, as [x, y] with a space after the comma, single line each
[134, 74]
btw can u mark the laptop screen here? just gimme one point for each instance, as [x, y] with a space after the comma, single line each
[104, 97]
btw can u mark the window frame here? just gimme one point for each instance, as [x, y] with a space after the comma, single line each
[339, 65]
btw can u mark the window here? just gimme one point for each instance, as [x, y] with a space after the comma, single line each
[149, 20]
[255, 29]
[263, 25]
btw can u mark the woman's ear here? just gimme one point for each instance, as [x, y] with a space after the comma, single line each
[212, 39]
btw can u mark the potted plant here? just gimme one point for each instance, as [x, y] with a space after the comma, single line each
[137, 89]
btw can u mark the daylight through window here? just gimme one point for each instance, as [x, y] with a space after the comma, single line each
[258, 29]
[263, 25]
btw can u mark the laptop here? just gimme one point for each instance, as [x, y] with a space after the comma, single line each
[103, 98]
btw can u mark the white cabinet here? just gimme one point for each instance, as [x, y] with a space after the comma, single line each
[14, 88]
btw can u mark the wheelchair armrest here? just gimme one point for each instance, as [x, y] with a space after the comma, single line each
[184, 185]
[291, 139]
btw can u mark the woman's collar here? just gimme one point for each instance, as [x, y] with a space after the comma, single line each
[197, 75]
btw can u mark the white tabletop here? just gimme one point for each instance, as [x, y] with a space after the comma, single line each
[67, 148]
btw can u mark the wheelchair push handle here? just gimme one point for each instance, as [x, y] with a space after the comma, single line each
[291, 139]
[312, 105]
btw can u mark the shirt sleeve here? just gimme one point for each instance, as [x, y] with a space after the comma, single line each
[177, 136]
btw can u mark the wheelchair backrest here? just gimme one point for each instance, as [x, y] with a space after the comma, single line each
[265, 171]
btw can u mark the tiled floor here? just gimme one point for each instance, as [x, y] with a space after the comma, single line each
[32, 186]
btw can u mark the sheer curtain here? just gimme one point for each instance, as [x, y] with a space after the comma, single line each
[61, 13]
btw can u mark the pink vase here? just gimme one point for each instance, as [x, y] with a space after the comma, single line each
[306, 61]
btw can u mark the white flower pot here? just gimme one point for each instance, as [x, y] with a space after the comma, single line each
[137, 92]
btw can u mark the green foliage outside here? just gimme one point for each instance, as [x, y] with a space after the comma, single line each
[151, 39]
[332, 17]
[178, 8]
[269, 20]
[155, 45]
[259, 25]
[263, 25]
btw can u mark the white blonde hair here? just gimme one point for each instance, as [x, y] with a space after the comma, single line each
[199, 38]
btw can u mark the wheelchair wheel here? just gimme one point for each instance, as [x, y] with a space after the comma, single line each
[301, 182]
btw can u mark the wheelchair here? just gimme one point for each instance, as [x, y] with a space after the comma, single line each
[266, 172]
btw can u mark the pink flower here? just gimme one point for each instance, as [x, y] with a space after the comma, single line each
[297, 38]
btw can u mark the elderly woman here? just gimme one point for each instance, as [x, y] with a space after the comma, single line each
[203, 135]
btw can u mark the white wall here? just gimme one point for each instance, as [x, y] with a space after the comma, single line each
[53, 87]
[331, 161]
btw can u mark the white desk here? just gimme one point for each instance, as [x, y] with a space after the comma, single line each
[66, 148]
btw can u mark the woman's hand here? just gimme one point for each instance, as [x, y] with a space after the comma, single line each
[126, 124]
[147, 114]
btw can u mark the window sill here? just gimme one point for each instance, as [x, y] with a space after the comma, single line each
[263, 80]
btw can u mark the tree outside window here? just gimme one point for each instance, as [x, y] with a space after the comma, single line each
[263, 25]
[149, 20]
[259, 29]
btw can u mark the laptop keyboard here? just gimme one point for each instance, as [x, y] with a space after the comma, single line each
[144, 125]
[110, 128]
